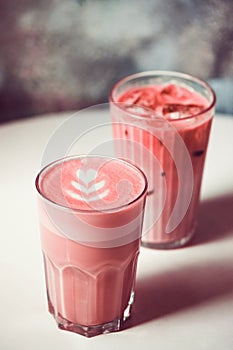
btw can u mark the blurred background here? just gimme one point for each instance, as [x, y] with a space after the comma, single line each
[58, 55]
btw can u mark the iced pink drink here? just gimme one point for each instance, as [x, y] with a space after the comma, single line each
[91, 211]
[167, 118]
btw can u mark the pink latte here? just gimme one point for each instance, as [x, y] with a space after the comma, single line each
[166, 120]
[91, 211]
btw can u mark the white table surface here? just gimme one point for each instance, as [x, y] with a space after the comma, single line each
[184, 297]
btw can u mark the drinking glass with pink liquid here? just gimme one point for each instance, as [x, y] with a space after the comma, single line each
[161, 122]
[91, 213]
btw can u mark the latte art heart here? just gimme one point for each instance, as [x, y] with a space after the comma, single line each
[88, 190]
[86, 176]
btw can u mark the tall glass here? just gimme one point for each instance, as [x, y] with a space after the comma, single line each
[91, 213]
[161, 122]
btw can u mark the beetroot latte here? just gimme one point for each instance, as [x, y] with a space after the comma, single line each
[161, 122]
[91, 212]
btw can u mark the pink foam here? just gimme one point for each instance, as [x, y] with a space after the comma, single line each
[92, 183]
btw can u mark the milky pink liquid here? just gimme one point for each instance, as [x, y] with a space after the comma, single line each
[176, 104]
[90, 285]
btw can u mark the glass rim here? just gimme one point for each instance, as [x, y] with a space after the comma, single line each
[91, 211]
[168, 73]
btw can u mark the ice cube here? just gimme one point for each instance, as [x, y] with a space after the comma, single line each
[181, 110]
[137, 110]
[148, 98]
[170, 89]
[143, 96]
[132, 96]
[176, 91]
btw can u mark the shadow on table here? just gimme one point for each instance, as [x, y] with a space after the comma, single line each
[215, 219]
[195, 283]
